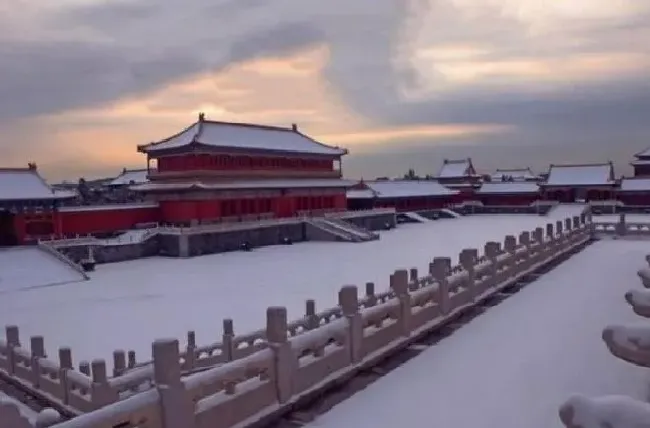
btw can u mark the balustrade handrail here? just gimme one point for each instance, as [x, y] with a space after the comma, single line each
[259, 362]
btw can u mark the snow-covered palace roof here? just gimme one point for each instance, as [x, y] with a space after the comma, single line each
[130, 176]
[399, 189]
[635, 185]
[26, 184]
[509, 187]
[514, 173]
[597, 174]
[229, 135]
[457, 168]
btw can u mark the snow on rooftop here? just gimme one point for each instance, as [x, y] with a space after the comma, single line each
[516, 363]
[26, 184]
[643, 154]
[248, 184]
[516, 174]
[635, 185]
[506, 187]
[580, 175]
[127, 305]
[401, 189]
[245, 136]
[456, 168]
[127, 177]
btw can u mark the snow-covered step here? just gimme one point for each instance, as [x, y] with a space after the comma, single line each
[417, 217]
[24, 268]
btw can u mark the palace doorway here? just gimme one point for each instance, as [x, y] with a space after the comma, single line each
[7, 230]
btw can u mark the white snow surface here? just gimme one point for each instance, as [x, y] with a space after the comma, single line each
[580, 175]
[616, 411]
[406, 188]
[635, 185]
[27, 268]
[562, 211]
[25, 411]
[455, 168]
[517, 363]
[223, 134]
[509, 187]
[131, 176]
[18, 184]
[128, 305]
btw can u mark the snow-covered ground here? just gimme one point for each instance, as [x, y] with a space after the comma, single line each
[22, 408]
[27, 268]
[128, 305]
[514, 365]
[629, 218]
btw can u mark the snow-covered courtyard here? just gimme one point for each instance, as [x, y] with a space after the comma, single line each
[128, 305]
[517, 363]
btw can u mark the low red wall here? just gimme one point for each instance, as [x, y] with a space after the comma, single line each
[85, 220]
[508, 200]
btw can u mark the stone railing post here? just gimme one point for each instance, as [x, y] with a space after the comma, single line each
[568, 225]
[413, 279]
[190, 351]
[539, 245]
[227, 336]
[119, 362]
[550, 231]
[371, 298]
[285, 363]
[177, 409]
[131, 359]
[349, 303]
[65, 365]
[576, 222]
[621, 226]
[399, 283]
[440, 269]
[84, 367]
[13, 341]
[560, 238]
[37, 346]
[101, 392]
[510, 247]
[468, 258]
[310, 314]
[491, 251]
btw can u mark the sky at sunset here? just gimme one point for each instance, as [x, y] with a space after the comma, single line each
[401, 83]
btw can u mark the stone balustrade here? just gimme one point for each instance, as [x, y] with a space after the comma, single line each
[622, 227]
[247, 377]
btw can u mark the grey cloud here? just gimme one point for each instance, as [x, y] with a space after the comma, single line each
[138, 46]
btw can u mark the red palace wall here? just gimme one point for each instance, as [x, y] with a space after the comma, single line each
[194, 162]
[213, 209]
[629, 198]
[641, 170]
[505, 200]
[97, 219]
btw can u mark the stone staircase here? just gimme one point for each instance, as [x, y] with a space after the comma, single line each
[341, 230]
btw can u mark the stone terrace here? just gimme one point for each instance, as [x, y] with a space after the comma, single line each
[266, 373]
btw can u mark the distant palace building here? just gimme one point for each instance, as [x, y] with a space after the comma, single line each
[213, 170]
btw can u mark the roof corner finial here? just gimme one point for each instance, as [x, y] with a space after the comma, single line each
[294, 127]
[32, 166]
[201, 117]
